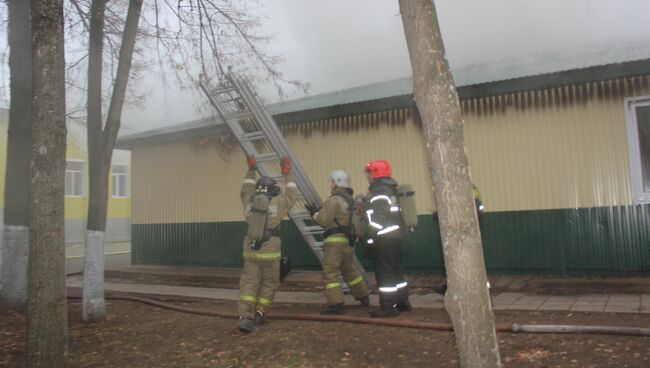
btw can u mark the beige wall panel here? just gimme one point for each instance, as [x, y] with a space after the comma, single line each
[179, 183]
[402, 144]
[544, 156]
[182, 183]
[552, 157]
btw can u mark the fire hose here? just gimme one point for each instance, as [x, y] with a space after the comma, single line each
[440, 326]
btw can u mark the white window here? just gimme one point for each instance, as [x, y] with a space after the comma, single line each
[120, 175]
[638, 134]
[74, 178]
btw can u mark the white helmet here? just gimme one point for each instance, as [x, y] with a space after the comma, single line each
[340, 178]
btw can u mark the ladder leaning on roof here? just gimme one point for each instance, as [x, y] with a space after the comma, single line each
[258, 135]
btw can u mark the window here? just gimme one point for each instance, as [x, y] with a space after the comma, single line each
[120, 173]
[638, 133]
[74, 178]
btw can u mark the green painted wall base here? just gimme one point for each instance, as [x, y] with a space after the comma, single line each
[585, 241]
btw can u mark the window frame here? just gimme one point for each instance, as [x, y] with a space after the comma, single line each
[82, 175]
[639, 195]
[126, 181]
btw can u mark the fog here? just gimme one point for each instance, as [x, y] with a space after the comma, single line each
[338, 44]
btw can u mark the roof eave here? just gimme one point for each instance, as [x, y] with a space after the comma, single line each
[555, 79]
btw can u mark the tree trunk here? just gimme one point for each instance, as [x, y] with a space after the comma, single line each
[15, 241]
[101, 143]
[467, 300]
[47, 317]
[94, 306]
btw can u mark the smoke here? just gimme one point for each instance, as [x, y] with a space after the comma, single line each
[338, 44]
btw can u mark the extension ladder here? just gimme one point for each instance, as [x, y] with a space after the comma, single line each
[258, 135]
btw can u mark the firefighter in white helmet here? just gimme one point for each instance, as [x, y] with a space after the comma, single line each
[337, 219]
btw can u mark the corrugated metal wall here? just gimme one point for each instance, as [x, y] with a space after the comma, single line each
[193, 182]
[556, 148]
[527, 151]
[552, 166]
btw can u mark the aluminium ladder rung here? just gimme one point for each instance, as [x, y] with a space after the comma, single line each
[247, 137]
[278, 177]
[267, 157]
[315, 229]
[236, 100]
[237, 115]
[221, 91]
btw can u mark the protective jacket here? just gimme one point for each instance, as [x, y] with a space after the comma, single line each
[382, 210]
[279, 207]
[335, 215]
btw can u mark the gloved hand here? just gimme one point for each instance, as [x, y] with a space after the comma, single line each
[312, 209]
[251, 161]
[285, 165]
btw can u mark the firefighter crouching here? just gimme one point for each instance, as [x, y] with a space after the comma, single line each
[336, 218]
[264, 209]
[387, 233]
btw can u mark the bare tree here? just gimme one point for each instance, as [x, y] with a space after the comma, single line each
[101, 142]
[467, 299]
[47, 316]
[212, 38]
[16, 212]
[209, 38]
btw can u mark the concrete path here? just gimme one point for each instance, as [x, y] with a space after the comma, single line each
[614, 303]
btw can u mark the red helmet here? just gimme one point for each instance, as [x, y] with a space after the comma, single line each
[378, 168]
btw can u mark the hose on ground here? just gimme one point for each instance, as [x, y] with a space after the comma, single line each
[573, 329]
[440, 326]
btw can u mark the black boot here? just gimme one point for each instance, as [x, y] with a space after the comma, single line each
[385, 312]
[388, 308]
[334, 309]
[260, 319]
[403, 303]
[246, 325]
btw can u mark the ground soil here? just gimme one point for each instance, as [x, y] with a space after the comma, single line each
[137, 335]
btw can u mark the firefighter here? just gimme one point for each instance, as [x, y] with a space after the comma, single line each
[260, 276]
[336, 218]
[387, 233]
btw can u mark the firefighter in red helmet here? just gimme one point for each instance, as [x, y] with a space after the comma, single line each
[386, 234]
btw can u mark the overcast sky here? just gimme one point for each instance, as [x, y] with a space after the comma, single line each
[336, 44]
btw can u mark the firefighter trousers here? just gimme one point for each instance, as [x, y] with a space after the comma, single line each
[257, 285]
[393, 289]
[338, 259]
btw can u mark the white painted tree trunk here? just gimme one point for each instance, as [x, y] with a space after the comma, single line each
[94, 305]
[15, 252]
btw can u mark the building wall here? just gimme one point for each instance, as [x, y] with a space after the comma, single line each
[552, 167]
[76, 208]
[118, 223]
[560, 155]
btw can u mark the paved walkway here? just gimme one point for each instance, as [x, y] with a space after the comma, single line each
[615, 303]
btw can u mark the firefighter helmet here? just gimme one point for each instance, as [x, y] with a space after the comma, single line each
[267, 186]
[340, 178]
[378, 168]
